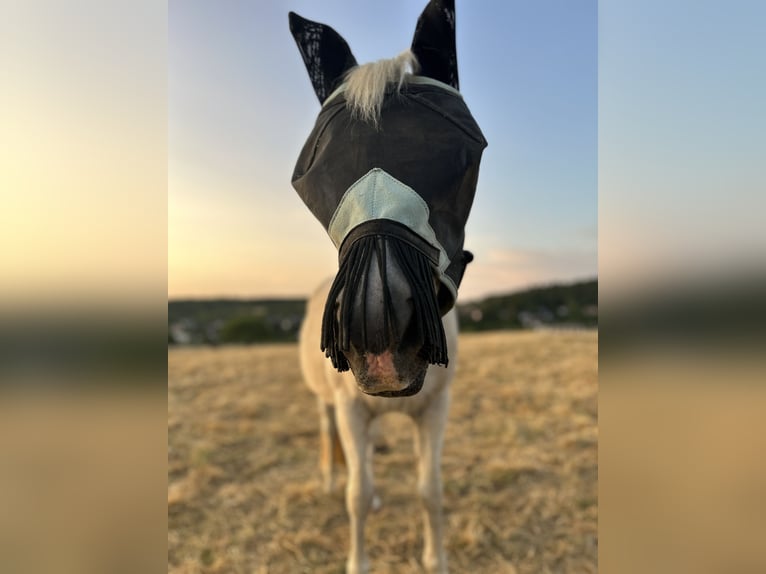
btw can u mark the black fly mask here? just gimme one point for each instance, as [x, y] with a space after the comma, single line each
[398, 186]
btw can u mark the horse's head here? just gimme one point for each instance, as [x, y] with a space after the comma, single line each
[377, 319]
[390, 170]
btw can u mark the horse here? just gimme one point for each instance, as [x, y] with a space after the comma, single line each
[345, 416]
[390, 170]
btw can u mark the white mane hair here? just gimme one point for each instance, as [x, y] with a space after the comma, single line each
[366, 84]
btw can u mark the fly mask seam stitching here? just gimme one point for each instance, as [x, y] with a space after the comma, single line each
[375, 176]
[374, 194]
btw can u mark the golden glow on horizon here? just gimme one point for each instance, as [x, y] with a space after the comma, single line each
[82, 168]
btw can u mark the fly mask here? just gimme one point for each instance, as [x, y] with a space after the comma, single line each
[394, 194]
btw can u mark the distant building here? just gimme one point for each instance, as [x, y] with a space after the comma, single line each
[183, 331]
[529, 320]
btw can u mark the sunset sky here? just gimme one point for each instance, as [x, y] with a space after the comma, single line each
[127, 127]
[240, 106]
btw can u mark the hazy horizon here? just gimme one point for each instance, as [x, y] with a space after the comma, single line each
[461, 298]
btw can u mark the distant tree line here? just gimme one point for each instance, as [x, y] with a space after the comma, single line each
[234, 321]
[225, 321]
[574, 305]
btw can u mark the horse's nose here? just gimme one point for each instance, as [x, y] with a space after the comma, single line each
[384, 308]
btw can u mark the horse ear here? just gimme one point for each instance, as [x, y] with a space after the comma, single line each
[434, 42]
[325, 53]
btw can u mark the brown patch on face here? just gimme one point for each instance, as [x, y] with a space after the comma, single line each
[381, 366]
[380, 374]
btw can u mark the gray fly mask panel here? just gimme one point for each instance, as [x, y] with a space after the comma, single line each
[400, 189]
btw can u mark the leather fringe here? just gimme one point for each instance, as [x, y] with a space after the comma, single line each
[352, 277]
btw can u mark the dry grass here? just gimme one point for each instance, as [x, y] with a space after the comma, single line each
[519, 465]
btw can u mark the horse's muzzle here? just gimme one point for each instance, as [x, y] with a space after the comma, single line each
[388, 374]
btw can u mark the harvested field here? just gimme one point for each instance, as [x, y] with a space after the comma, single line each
[519, 464]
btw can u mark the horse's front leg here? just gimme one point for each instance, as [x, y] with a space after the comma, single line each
[331, 452]
[428, 441]
[353, 421]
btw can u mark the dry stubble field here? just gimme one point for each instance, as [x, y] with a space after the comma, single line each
[519, 464]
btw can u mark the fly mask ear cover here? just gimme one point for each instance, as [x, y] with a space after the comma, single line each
[409, 181]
